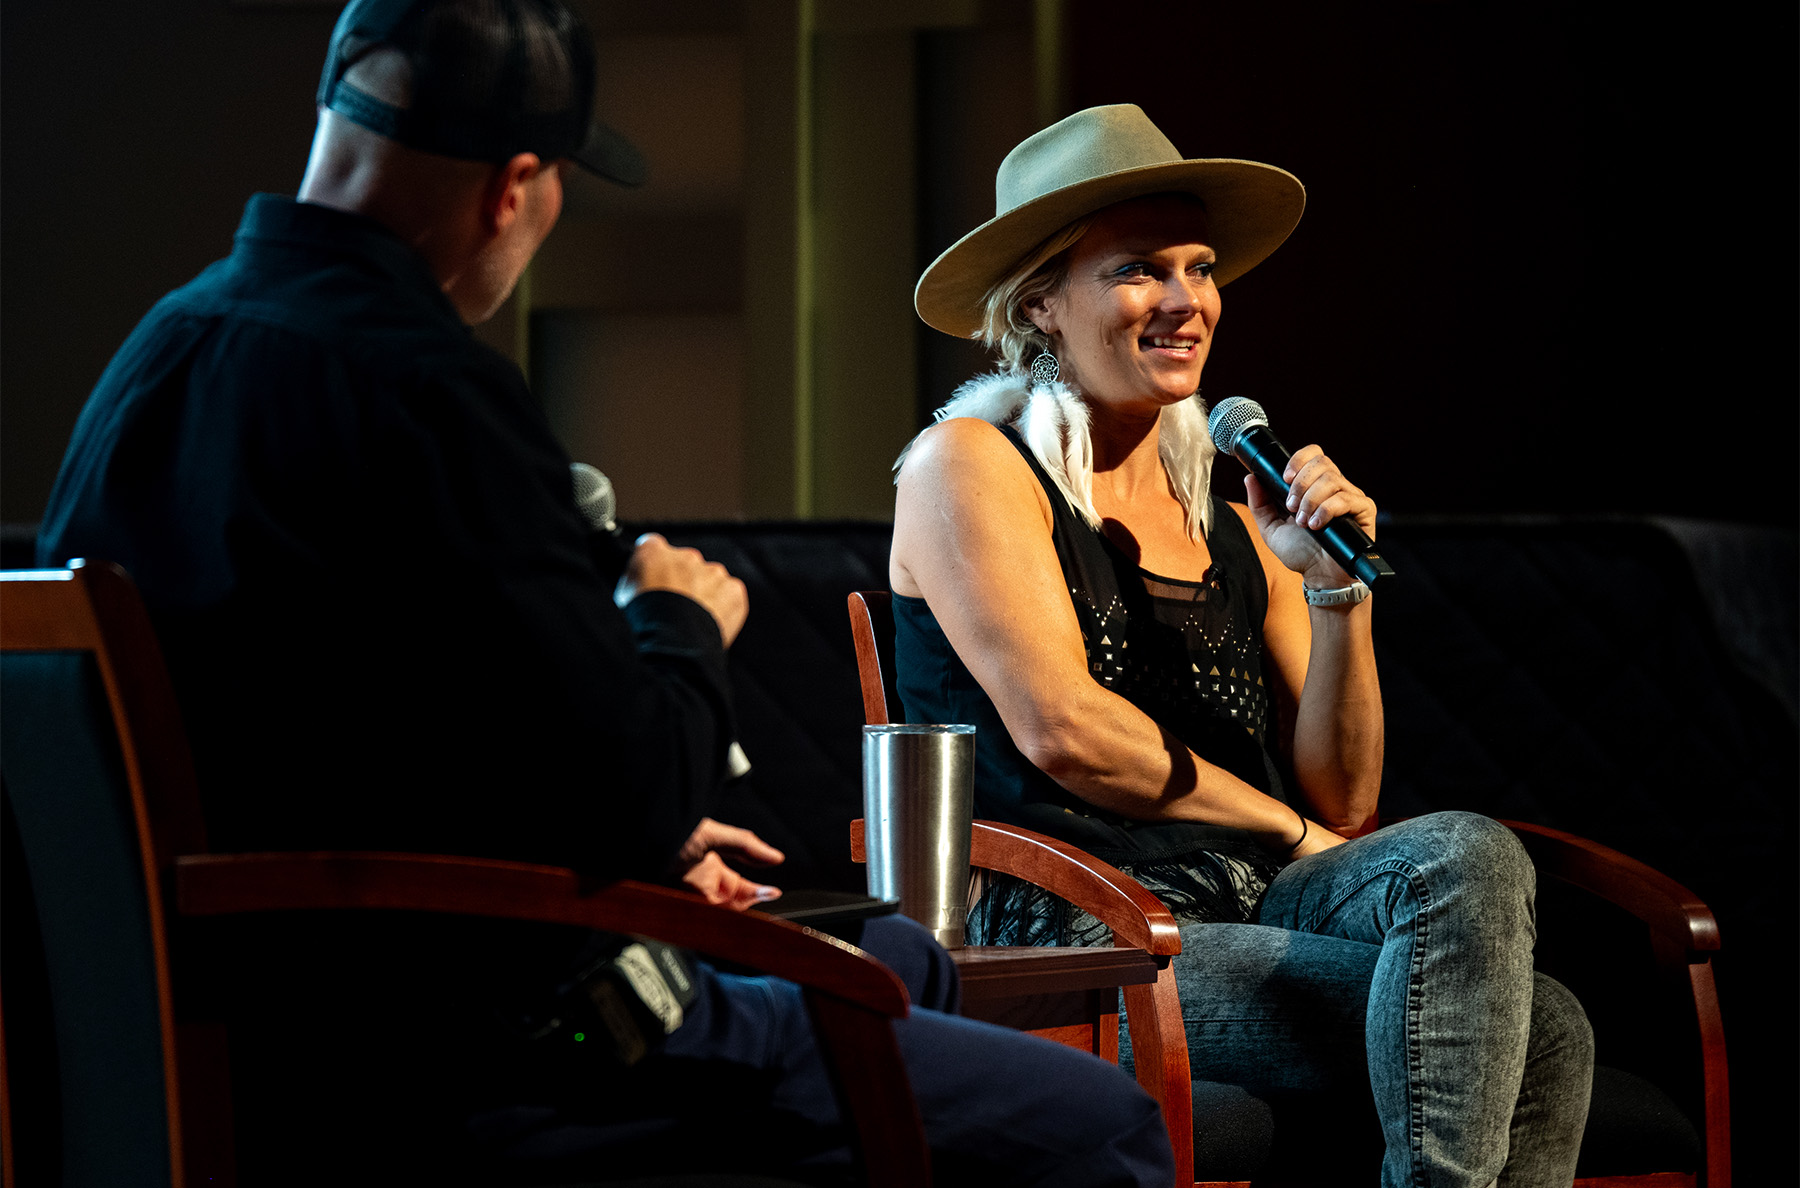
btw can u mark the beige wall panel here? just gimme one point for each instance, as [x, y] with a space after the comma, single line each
[680, 99]
[626, 262]
[654, 400]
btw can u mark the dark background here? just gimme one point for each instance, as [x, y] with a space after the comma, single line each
[1547, 265]
[1547, 262]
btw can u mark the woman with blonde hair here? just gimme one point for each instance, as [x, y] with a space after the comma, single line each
[1186, 687]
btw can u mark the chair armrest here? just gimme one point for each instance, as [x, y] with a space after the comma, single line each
[1137, 918]
[1675, 915]
[853, 997]
[226, 884]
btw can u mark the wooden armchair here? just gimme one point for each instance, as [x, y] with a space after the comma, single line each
[1637, 1137]
[104, 846]
[1136, 917]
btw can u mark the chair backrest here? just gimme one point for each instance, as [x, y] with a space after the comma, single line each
[90, 726]
[872, 627]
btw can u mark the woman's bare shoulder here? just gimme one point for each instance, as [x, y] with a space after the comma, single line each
[964, 491]
[959, 442]
[963, 460]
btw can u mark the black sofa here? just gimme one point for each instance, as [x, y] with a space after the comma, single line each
[1629, 680]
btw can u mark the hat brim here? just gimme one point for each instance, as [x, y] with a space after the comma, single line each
[609, 155]
[1250, 209]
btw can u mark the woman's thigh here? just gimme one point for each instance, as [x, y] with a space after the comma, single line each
[1468, 869]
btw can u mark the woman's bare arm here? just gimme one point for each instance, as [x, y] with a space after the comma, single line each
[1324, 657]
[972, 536]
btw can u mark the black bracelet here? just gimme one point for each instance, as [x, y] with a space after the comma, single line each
[1304, 826]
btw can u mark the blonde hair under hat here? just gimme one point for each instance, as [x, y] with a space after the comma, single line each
[1093, 159]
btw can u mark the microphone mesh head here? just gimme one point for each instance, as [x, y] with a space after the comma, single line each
[1230, 417]
[594, 496]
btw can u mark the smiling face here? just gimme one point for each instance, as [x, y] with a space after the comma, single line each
[1133, 321]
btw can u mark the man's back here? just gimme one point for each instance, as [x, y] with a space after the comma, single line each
[387, 631]
[381, 609]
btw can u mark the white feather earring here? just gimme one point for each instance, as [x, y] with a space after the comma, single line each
[1187, 451]
[1055, 426]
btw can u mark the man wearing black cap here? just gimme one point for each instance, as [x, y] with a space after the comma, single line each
[388, 630]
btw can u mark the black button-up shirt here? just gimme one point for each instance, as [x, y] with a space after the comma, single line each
[356, 534]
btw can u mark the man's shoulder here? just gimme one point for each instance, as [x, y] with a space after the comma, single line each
[301, 277]
[241, 317]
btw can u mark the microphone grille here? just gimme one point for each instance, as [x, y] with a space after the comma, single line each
[594, 496]
[1230, 417]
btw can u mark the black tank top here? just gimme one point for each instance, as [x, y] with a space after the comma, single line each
[1189, 654]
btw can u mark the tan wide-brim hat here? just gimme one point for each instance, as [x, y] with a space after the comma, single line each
[1093, 159]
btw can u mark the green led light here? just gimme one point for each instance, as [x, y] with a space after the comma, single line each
[580, 1035]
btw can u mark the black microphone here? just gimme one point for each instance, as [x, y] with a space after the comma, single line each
[599, 505]
[1239, 427]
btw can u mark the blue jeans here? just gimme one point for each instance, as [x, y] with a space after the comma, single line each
[741, 1084]
[1400, 963]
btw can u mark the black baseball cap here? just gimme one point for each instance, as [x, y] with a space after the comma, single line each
[490, 79]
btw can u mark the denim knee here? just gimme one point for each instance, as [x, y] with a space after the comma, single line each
[1476, 853]
[1555, 1090]
[1560, 1031]
[1440, 859]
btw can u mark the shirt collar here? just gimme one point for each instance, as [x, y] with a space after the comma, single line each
[276, 218]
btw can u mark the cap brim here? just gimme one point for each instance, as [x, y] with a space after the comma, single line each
[609, 155]
[1250, 207]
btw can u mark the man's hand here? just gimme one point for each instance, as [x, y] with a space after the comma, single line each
[658, 565]
[702, 868]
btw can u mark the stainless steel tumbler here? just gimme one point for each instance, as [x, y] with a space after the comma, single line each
[918, 802]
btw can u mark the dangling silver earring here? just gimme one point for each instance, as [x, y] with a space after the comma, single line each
[1045, 370]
